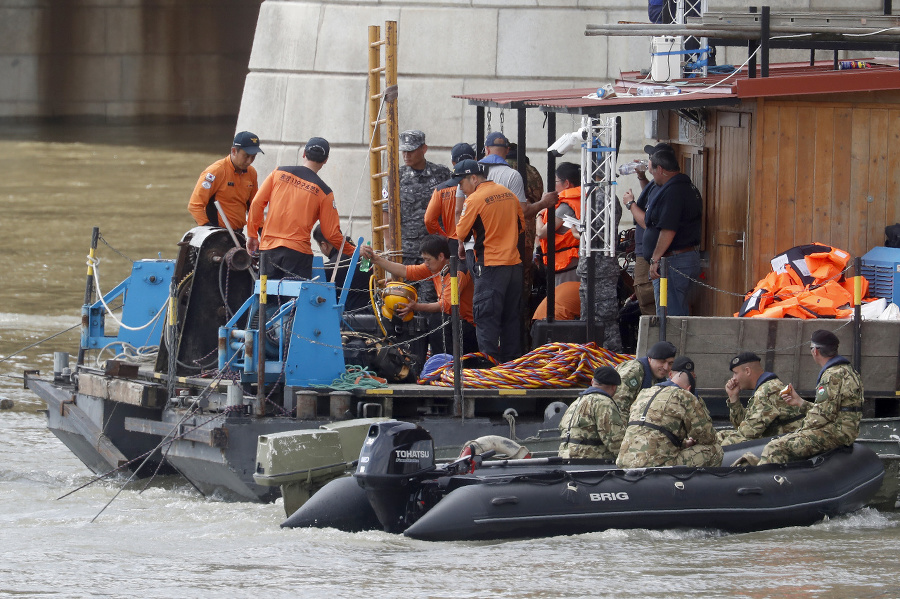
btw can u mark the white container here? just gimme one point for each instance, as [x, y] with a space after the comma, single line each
[664, 66]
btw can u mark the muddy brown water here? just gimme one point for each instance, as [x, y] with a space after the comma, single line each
[134, 183]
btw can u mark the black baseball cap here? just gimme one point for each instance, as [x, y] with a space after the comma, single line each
[463, 169]
[651, 150]
[317, 149]
[462, 151]
[248, 142]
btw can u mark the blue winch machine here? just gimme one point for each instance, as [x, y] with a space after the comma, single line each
[143, 295]
[302, 335]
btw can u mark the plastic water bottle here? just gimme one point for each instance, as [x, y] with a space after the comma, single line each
[365, 264]
[631, 167]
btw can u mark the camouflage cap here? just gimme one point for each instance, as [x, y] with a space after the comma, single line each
[411, 140]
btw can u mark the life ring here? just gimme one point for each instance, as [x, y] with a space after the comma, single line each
[503, 446]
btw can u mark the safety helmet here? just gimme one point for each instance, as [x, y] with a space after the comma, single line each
[396, 292]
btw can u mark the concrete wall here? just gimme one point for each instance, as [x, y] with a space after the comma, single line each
[308, 72]
[124, 59]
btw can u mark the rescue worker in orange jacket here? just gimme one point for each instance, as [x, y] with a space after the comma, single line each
[231, 182]
[568, 203]
[493, 216]
[440, 216]
[297, 199]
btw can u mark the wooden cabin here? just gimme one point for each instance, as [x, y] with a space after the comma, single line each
[805, 154]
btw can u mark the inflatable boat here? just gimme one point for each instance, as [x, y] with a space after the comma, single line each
[398, 487]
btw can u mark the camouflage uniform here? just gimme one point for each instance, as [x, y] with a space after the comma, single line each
[832, 420]
[416, 188]
[592, 427]
[680, 414]
[766, 414]
[633, 381]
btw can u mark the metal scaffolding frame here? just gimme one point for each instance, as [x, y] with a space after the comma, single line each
[598, 197]
[695, 63]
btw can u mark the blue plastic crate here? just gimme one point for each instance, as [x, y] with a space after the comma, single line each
[881, 266]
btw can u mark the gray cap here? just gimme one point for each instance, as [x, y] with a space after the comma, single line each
[411, 140]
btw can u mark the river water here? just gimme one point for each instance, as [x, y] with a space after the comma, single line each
[167, 541]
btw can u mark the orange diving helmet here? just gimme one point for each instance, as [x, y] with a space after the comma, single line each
[396, 292]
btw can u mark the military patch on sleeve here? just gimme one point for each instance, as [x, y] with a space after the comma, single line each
[210, 177]
[820, 390]
[633, 382]
[206, 185]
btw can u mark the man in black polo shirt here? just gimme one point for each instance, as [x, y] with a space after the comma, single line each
[673, 230]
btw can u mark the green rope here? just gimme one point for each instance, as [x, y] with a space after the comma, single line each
[347, 381]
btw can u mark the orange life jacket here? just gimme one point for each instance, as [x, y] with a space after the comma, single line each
[565, 244]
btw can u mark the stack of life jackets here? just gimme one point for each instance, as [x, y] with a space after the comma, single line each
[806, 281]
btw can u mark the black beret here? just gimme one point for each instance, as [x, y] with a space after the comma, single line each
[683, 364]
[662, 350]
[825, 339]
[607, 375]
[743, 358]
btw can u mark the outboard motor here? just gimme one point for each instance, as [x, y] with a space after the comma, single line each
[394, 458]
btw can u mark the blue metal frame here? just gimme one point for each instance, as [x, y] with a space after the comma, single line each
[312, 353]
[144, 293]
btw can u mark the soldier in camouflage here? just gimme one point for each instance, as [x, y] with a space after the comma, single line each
[833, 419]
[593, 425]
[766, 414]
[670, 426]
[418, 178]
[643, 372]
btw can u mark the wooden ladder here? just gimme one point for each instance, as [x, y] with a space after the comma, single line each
[384, 182]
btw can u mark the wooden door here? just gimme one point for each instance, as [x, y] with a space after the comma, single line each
[728, 215]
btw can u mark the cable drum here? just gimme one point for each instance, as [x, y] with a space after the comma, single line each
[238, 259]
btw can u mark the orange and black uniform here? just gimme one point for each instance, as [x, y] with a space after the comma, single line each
[493, 215]
[440, 216]
[565, 244]
[297, 198]
[233, 189]
[443, 338]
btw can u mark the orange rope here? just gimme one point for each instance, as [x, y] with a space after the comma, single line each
[554, 365]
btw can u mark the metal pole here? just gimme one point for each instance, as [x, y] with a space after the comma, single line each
[261, 340]
[752, 46]
[458, 401]
[88, 294]
[551, 159]
[857, 314]
[479, 131]
[663, 296]
[764, 34]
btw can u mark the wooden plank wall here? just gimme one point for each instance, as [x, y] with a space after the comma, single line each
[826, 172]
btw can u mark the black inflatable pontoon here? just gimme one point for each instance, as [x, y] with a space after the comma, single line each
[552, 496]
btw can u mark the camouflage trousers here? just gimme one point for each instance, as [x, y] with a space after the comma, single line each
[605, 308]
[593, 452]
[798, 445]
[700, 456]
[730, 436]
